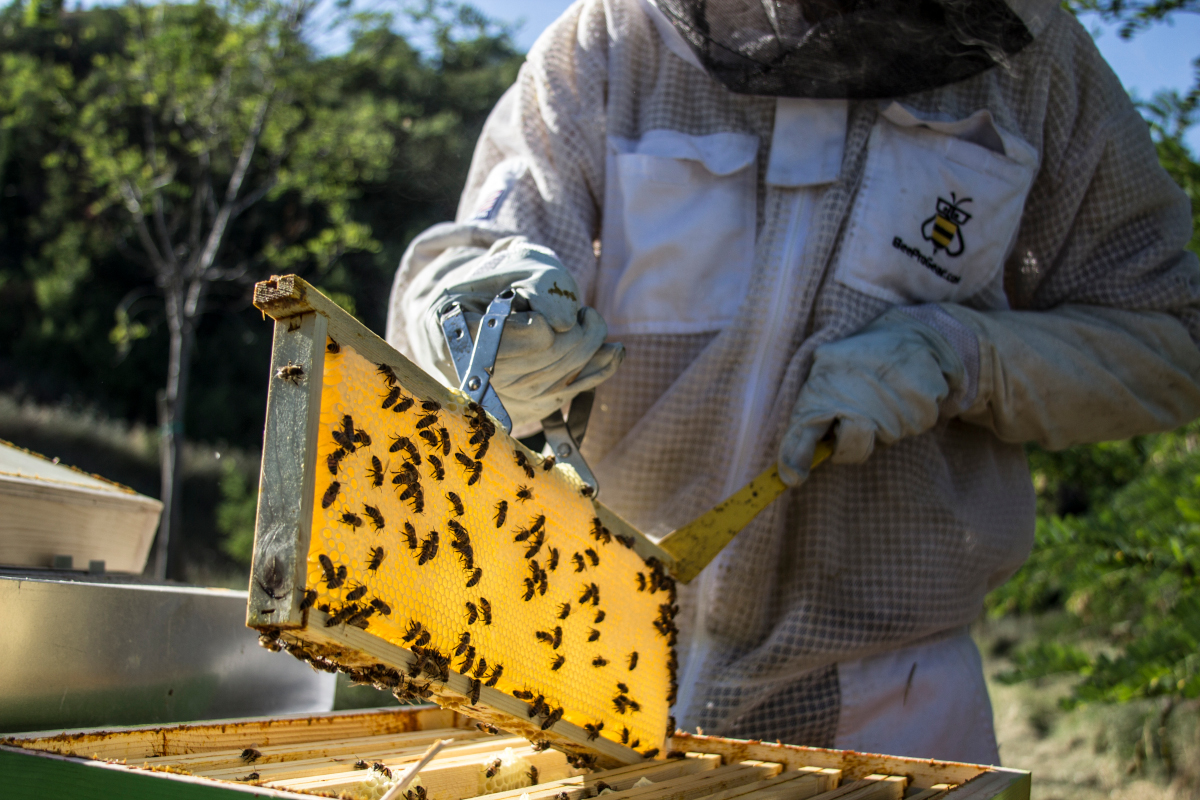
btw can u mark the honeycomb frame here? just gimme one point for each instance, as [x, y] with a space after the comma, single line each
[362, 451]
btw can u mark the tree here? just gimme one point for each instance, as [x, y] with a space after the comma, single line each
[207, 112]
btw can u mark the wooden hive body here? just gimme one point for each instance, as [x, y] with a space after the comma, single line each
[404, 537]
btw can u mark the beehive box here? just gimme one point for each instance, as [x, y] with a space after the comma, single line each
[335, 755]
[404, 537]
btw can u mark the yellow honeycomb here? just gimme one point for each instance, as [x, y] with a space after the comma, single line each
[575, 615]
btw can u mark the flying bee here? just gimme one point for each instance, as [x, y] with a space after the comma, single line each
[548, 463]
[429, 549]
[492, 769]
[443, 436]
[333, 459]
[530, 588]
[457, 503]
[391, 398]
[361, 437]
[633, 659]
[377, 556]
[381, 607]
[332, 347]
[357, 593]
[501, 513]
[593, 729]
[476, 574]
[494, 678]
[552, 562]
[376, 473]
[535, 545]
[486, 609]
[524, 494]
[404, 443]
[351, 519]
[375, 515]
[564, 610]
[410, 536]
[599, 617]
[310, 597]
[553, 719]
[330, 494]
[593, 634]
[523, 463]
[472, 613]
[592, 556]
[389, 375]
[429, 438]
[436, 470]
[476, 690]
[250, 755]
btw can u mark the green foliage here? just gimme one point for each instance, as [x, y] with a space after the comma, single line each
[236, 511]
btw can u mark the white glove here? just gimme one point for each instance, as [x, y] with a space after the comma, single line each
[880, 385]
[551, 349]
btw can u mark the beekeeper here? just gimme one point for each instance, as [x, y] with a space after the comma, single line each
[937, 227]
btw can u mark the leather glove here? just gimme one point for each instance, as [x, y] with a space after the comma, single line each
[551, 349]
[882, 384]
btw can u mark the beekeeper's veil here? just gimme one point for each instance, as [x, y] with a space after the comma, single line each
[852, 48]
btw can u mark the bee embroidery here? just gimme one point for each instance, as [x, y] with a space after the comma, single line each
[330, 494]
[593, 634]
[351, 519]
[523, 463]
[375, 515]
[944, 227]
[457, 503]
[593, 729]
[501, 513]
[410, 536]
[633, 659]
[497, 671]
[310, 597]
[333, 459]
[376, 472]
[436, 468]
[404, 443]
[592, 556]
[599, 617]
[381, 607]
[524, 494]
[377, 555]
[476, 574]
[564, 610]
[552, 562]
[486, 608]
[355, 594]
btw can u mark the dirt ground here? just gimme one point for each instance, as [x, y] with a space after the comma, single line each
[1101, 751]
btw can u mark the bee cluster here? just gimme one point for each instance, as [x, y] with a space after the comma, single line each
[410, 475]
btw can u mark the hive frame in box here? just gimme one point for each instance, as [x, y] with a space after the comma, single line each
[99, 763]
[282, 571]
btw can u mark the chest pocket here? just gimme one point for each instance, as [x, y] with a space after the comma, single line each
[678, 237]
[938, 209]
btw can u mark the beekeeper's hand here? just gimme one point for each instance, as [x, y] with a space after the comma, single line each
[551, 349]
[884, 383]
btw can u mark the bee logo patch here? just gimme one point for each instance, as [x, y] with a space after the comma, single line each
[944, 227]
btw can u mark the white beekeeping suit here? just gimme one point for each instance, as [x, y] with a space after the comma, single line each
[1011, 234]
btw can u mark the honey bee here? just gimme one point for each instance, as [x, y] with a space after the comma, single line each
[403, 405]
[357, 593]
[587, 491]
[360, 764]
[457, 503]
[360, 617]
[351, 519]
[530, 588]
[361, 437]
[375, 515]
[633, 660]
[416, 793]
[472, 613]
[599, 617]
[545, 636]
[641, 581]
[471, 467]
[341, 615]
[492, 769]
[535, 545]
[480, 451]
[429, 438]
[533, 775]
[622, 688]
[591, 592]
[390, 399]
[427, 420]
[599, 661]
[621, 703]
[333, 459]
[410, 536]
[593, 634]
[599, 532]
[330, 494]
[332, 347]
[376, 473]
[250, 755]
[524, 494]
[464, 641]
[592, 556]
[552, 562]
[540, 746]
[443, 436]
[389, 376]
[539, 522]
[377, 556]
[593, 729]
[476, 690]
[418, 501]
[577, 559]
[494, 678]
[522, 534]
[404, 443]
[564, 610]
[253, 776]
[522, 694]
[538, 707]
[489, 729]
[292, 373]
[548, 463]
[436, 470]
[552, 719]
[480, 668]
[627, 541]
[501, 513]
[651, 753]
[381, 607]
[636, 743]
[378, 766]
[476, 574]
[310, 597]
[429, 549]
[523, 463]
[485, 609]
[468, 660]
[624, 735]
